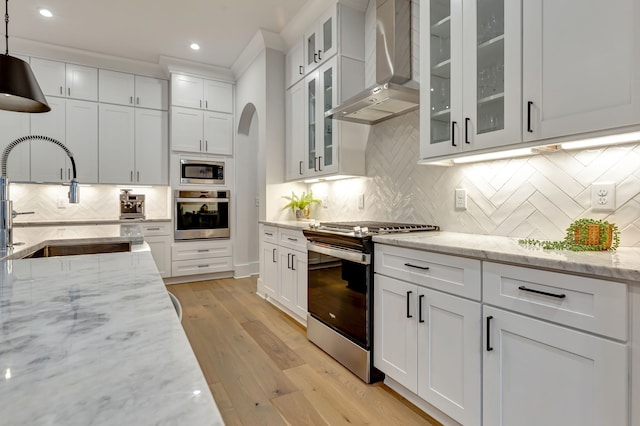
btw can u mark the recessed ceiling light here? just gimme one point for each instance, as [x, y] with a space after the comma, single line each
[195, 46]
[46, 13]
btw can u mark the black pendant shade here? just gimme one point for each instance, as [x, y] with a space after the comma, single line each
[19, 90]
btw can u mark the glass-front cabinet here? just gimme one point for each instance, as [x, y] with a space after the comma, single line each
[320, 96]
[473, 54]
[321, 43]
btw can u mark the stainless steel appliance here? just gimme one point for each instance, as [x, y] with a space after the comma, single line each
[201, 172]
[131, 205]
[201, 215]
[340, 293]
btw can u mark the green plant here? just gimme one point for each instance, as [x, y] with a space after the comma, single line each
[300, 203]
[577, 237]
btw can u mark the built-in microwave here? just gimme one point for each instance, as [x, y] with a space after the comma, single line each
[203, 172]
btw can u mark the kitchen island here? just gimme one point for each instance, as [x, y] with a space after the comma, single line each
[94, 339]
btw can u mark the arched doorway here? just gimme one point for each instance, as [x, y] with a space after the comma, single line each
[246, 250]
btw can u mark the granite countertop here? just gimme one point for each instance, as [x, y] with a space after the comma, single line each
[622, 264]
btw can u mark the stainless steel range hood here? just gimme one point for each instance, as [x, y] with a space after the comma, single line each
[388, 98]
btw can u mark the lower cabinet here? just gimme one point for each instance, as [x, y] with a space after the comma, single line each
[158, 237]
[536, 373]
[428, 341]
[201, 257]
[283, 270]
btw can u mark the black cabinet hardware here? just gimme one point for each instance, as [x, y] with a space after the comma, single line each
[424, 268]
[489, 348]
[293, 262]
[466, 130]
[453, 133]
[544, 293]
[529, 105]
[273, 255]
[408, 303]
[420, 319]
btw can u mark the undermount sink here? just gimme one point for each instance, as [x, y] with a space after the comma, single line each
[51, 250]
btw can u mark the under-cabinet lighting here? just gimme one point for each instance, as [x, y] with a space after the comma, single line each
[520, 152]
[328, 178]
[602, 141]
[311, 180]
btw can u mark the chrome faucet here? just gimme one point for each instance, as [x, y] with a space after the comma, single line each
[6, 205]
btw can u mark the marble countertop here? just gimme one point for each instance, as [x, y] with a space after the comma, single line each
[622, 264]
[18, 224]
[288, 224]
[94, 339]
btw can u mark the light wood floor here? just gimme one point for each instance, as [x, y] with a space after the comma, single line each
[262, 370]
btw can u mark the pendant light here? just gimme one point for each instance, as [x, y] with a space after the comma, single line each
[19, 90]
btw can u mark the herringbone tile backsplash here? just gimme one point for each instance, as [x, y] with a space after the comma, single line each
[537, 196]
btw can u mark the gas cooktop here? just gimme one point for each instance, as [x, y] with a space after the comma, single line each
[371, 227]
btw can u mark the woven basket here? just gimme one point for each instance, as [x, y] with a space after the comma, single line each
[593, 236]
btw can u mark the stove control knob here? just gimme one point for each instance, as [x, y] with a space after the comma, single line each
[357, 231]
[365, 230]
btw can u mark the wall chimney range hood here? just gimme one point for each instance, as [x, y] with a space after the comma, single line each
[388, 98]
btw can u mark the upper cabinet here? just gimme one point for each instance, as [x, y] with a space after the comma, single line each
[317, 146]
[502, 73]
[133, 90]
[66, 80]
[199, 93]
[294, 65]
[15, 125]
[584, 78]
[473, 53]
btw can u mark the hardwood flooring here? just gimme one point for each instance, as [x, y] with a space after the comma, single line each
[262, 370]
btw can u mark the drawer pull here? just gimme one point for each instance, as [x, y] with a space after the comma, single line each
[273, 256]
[408, 303]
[269, 234]
[203, 250]
[203, 266]
[295, 240]
[153, 229]
[544, 293]
[489, 347]
[424, 268]
[420, 319]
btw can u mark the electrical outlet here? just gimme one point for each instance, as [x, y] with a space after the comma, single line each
[325, 202]
[61, 203]
[361, 201]
[461, 199]
[603, 196]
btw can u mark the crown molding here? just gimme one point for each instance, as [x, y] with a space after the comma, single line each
[182, 66]
[262, 40]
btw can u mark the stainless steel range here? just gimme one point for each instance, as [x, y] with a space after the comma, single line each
[340, 293]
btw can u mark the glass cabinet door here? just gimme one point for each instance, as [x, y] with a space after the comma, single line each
[312, 53]
[328, 97]
[311, 96]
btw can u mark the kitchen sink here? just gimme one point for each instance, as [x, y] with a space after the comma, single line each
[51, 250]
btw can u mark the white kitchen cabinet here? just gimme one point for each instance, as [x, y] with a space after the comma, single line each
[74, 123]
[294, 65]
[133, 145]
[295, 131]
[200, 131]
[584, 79]
[201, 257]
[321, 40]
[537, 373]
[293, 280]
[194, 92]
[15, 125]
[66, 80]
[473, 51]
[133, 90]
[158, 237]
[427, 340]
[269, 269]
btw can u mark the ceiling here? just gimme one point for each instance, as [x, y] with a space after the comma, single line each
[146, 29]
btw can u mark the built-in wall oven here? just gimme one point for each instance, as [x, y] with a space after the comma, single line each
[201, 214]
[340, 291]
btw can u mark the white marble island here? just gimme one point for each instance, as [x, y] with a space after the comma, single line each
[95, 339]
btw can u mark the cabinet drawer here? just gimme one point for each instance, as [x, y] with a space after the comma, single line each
[201, 266]
[155, 228]
[589, 304]
[451, 274]
[200, 250]
[270, 234]
[293, 239]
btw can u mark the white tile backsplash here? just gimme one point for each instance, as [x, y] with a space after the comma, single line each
[536, 196]
[97, 202]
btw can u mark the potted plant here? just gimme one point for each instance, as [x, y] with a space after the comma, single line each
[583, 235]
[300, 205]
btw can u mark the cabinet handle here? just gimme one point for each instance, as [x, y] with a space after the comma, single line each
[200, 103]
[131, 176]
[203, 250]
[319, 52]
[529, 105]
[315, 164]
[408, 302]
[300, 167]
[206, 104]
[288, 260]
[206, 146]
[61, 173]
[420, 319]
[153, 229]
[466, 130]
[269, 234]
[293, 262]
[69, 174]
[138, 100]
[138, 176]
[200, 145]
[489, 348]
[295, 240]
[320, 163]
[203, 266]
[300, 70]
[424, 268]
[273, 255]
[61, 90]
[315, 58]
[69, 91]
[453, 133]
[130, 99]
[544, 293]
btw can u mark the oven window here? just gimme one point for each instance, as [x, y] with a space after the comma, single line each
[338, 295]
[198, 215]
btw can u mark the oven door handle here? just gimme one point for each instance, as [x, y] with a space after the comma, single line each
[202, 200]
[350, 255]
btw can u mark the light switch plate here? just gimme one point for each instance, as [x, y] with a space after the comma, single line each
[461, 199]
[325, 202]
[603, 196]
[361, 201]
